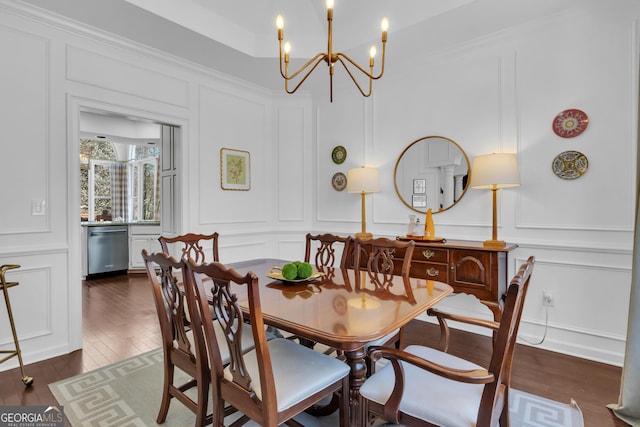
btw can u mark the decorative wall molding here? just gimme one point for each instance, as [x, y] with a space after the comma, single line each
[98, 70]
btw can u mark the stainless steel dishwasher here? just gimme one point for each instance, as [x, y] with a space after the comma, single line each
[107, 248]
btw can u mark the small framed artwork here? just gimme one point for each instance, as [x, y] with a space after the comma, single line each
[235, 169]
[419, 186]
[419, 201]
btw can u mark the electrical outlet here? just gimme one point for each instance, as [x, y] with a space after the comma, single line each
[547, 299]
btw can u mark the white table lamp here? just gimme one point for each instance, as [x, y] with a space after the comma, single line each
[363, 180]
[491, 172]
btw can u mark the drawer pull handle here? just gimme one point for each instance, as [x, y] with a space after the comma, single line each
[428, 253]
[432, 272]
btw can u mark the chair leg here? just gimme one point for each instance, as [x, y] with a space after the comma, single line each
[203, 400]
[344, 402]
[166, 396]
[504, 415]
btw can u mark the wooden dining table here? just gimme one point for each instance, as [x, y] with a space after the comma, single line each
[340, 312]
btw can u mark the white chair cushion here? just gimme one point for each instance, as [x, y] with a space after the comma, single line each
[427, 396]
[298, 371]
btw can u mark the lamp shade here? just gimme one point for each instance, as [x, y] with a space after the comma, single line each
[497, 170]
[363, 179]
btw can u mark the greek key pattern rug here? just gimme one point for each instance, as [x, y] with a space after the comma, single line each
[128, 393]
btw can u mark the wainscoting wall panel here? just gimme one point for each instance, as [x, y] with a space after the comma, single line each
[235, 120]
[88, 67]
[24, 59]
[293, 176]
[39, 305]
[548, 82]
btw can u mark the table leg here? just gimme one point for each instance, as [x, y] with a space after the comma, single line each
[357, 409]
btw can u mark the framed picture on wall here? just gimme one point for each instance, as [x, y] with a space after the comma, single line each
[419, 201]
[235, 169]
[419, 186]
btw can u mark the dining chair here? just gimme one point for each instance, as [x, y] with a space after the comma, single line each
[325, 246]
[183, 339]
[183, 346]
[320, 249]
[422, 386]
[276, 380]
[377, 260]
[191, 245]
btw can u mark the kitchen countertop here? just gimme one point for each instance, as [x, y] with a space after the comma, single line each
[109, 223]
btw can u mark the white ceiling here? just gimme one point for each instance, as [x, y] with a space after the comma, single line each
[100, 125]
[239, 38]
[249, 25]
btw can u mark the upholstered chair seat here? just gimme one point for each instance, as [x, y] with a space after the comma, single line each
[450, 403]
[298, 371]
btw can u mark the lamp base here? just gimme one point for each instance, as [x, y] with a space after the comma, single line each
[494, 244]
[364, 236]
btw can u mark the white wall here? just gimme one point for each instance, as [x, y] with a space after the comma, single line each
[53, 69]
[491, 94]
[501, 93]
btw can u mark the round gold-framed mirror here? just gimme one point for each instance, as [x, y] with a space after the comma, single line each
[432, 173]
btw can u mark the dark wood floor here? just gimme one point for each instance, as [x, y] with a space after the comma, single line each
[120, 322]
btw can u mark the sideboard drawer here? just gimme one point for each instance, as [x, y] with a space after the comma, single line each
[430, 271]
[430, 255]
[422, 254]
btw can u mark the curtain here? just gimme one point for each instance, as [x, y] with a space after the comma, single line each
[119, 191]
[628, 406]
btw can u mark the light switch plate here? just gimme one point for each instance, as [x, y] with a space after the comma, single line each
[37, 207]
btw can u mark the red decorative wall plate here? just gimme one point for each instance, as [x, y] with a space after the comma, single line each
[570, 123]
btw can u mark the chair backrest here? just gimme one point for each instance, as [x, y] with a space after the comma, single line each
[504, 343]
[189, 354]
[378, 257]
[221, 282]
[190, 246]
[325, 249]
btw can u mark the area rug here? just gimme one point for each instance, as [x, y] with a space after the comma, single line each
[128, 393]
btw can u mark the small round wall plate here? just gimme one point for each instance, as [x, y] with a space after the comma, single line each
[339, 181]
[339, 154]
[570, 165]
[570, 123]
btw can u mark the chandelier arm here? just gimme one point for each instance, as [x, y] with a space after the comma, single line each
[367, 73]
[286, 82]
[344, 65]
[318, 58]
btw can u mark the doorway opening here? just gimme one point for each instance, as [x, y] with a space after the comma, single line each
[119, 169]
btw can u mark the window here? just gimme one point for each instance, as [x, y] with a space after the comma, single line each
[100, 206]
[143, 200]
[118, 190]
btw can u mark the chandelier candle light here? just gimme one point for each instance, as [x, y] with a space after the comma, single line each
[363, 180]
[329, 57]
[491, 172]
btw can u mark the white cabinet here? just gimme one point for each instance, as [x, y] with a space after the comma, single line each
[142, 236]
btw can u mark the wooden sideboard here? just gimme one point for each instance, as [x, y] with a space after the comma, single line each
[467, 266]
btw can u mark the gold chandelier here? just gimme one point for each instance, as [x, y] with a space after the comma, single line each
[329, 57]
